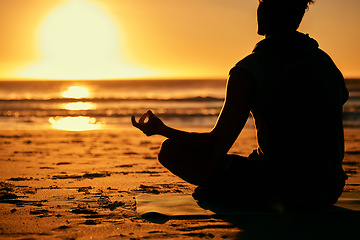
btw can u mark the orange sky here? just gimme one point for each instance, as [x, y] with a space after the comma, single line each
[158, 38]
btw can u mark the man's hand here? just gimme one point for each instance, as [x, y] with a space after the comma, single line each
[152, 126]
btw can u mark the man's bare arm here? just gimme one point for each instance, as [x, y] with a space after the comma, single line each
[233, 116]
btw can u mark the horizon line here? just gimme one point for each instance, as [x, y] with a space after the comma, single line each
[134, 79]
[116, 79]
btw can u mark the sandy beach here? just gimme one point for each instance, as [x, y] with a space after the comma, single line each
[82, 185]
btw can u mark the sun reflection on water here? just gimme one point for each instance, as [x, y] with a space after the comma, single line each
[76, 92]
[80, 123]
[79, 106]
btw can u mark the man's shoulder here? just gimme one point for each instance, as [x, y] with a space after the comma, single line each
[249, 59]
[253, 61]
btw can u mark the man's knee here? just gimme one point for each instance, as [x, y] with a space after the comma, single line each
[166, 151]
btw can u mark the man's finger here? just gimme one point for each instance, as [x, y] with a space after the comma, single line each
[133, 121]
[150, 114]
[143, 117]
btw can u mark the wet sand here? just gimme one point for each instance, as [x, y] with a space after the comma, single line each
[82, 185]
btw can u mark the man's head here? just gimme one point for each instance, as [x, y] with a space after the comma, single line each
[279, 16]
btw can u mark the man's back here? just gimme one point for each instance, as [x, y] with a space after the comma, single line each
[298, 114]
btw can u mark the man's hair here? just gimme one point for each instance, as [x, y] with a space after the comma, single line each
[304, 4]
[300, 3]
[286, 14]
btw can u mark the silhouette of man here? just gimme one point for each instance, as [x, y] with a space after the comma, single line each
[295, 94]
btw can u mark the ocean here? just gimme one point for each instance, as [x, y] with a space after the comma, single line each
[108, 104]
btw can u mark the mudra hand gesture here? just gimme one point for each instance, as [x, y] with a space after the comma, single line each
[152, 126]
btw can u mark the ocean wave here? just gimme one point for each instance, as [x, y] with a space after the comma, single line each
[110, 99]
[110, 113]
[353, 99]
[347, 116]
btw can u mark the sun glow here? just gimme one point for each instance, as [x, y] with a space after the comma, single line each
[79, 41]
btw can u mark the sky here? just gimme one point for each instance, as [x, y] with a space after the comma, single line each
[113, 39]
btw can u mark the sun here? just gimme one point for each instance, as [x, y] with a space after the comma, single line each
[80, 41]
